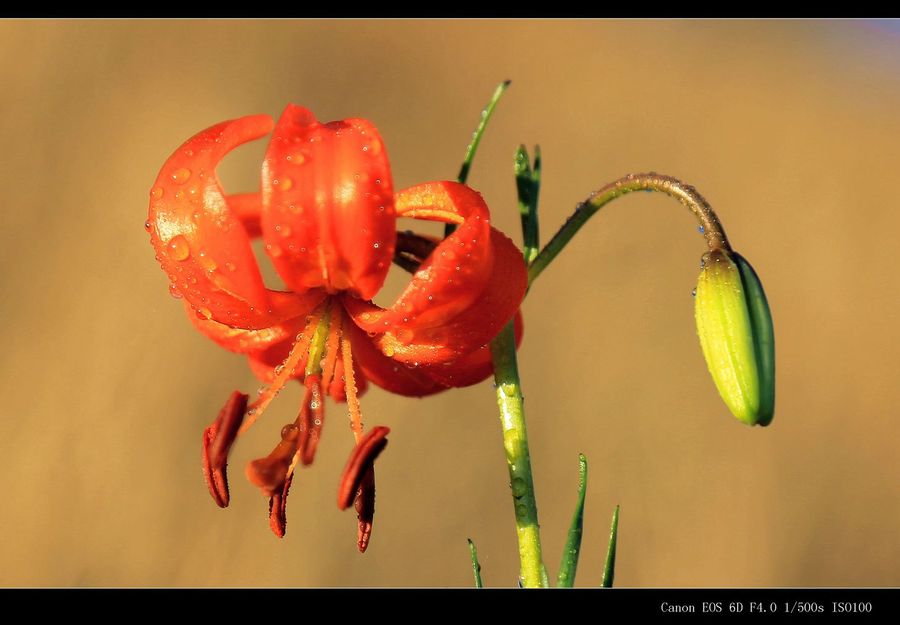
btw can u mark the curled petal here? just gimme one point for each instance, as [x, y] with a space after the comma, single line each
[472, 368]
[201, 243]
[359, 463]
[456, 272]
[328, 210]
[390, 375]
[247, 208]
[468, 331]
[242, 341]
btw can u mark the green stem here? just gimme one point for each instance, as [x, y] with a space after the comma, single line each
[686, 194]
[518, 458]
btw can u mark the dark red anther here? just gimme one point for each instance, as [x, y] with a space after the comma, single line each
[313, 413]
[365, 509]
[217, 440]
[359, 463]
[270, 472]
[278, 508]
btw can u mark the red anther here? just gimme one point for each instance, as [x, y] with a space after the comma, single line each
[270, 472]
[216, 442]
[359, 463]
[278, 508]
[230, 418]
[365, 509]
[314, 413]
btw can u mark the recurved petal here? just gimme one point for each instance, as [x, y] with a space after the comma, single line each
[406, 341]
[390, 375]
[242, 341]
[200, 243]
[328, 210]
[456, 272]
[471, 368]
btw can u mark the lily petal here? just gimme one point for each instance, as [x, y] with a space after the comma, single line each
[390, 375]
[201, 244]
[455, 273]
[242, 341]
[328, 211]
[474, 327]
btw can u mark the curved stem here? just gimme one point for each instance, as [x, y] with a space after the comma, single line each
[684, 193]
[518, 458]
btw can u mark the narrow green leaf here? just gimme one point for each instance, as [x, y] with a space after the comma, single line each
[609, 569]
[528, 185]
[476, 568]
[569, 563]
[476, 139]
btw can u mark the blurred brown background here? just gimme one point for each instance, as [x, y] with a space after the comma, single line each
[788, 128]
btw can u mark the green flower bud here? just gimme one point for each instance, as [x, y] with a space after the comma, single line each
[735, 329]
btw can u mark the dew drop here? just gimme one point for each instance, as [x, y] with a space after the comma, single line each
[206, 261]
[375, 245]
[230, 266]
[518, 487]
[701, 229]
[178, 248]
[156, 192]
[289, 432]
[180, 176]
[204, 313]
[694, 293]
[146, 225]
[173, 291]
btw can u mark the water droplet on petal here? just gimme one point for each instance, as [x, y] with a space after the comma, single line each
[147, 225]
[206, 261]
[173, 291]
[156, 192]
[178, 248]
[180, 176]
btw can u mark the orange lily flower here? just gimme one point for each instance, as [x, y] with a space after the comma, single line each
[327, 213]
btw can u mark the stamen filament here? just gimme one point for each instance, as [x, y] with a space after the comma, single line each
[350, 387]
[298, 351]
[332, 347]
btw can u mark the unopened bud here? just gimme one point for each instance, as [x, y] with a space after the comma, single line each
[735, 329]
